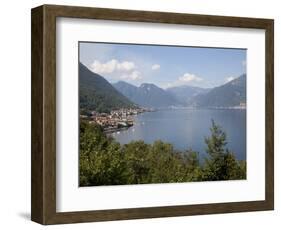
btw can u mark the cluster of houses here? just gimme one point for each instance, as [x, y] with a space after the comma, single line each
[116, 119]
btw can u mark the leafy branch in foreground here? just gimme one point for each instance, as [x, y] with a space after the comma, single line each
[103, 161]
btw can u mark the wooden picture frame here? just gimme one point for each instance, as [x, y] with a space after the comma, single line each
[43, 208]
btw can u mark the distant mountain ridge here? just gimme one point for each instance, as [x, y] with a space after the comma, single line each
[230, 94]
[184, 94]
[146, 95]
[96, 93]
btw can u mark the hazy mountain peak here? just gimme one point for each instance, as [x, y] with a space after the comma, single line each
[147, 85]
[238, 81]
[186, 93]
[147, 95]
[121, 82]
[232, 93]
[124, 83]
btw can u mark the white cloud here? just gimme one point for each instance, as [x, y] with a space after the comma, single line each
[228, 79]
[135, 75]
[118, 70]
[186, 79]
[155, 67]
[112, 66]
[126, 66]
[101, 68]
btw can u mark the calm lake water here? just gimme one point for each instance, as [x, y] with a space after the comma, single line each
[186, 128]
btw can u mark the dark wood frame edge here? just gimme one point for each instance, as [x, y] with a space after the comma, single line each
[43, 157]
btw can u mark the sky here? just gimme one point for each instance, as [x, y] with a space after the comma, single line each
[164, 66]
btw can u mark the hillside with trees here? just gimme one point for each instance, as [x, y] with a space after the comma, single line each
[96, 93]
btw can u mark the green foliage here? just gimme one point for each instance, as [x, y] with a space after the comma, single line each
[221, 163]
[101, 161]
[105, 162]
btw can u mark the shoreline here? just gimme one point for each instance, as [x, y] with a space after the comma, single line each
[115, 130]
[126, 124]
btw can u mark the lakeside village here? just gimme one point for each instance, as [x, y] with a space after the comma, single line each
[123, 118]
[115, 120]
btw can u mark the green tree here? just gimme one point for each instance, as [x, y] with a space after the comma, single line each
[220, 164]
[165, 165]
[137, 162]
[193, 170]
[101, 160]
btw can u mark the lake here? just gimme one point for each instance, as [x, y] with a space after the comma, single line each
[186, 128]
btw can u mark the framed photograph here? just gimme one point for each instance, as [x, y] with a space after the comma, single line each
[141, 114]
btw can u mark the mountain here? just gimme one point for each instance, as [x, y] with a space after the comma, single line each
[146, 95]
[96, 93]
[230, 94]
[184, 94]
[126, 89]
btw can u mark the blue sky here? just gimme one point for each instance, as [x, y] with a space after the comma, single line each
[164, 66]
